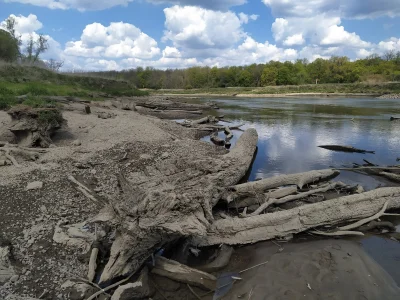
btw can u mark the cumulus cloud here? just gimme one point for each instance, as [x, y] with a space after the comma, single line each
[81, 5]
[193, 27]
[321, 29]
[118, 40]
[24, 24]
[295, 39]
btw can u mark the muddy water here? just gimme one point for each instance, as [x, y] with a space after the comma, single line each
[290, 131]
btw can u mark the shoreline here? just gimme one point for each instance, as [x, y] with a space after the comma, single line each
[285, 95]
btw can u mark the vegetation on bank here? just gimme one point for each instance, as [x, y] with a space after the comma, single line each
[17, 80]
[344, 88]
[337, 70]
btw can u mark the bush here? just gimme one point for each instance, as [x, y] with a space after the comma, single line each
[50, 117]
[6, 102]
[34, 90]
[37, 102]
[4, 91]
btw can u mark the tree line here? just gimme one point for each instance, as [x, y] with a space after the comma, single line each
[372, 69]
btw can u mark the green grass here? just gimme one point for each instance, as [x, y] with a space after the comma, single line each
[17, 80]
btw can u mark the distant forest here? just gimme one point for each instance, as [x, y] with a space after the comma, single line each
[373, 69]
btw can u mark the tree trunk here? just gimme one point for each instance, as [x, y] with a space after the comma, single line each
[269, 226]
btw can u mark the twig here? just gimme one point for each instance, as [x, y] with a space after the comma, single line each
[253, 267]
[395, 215]
[88, 282]
[251, 293]
[366, 220]
[84, 190]
[193, 292]
[110, 287]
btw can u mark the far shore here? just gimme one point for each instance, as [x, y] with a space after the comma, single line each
[197, 95]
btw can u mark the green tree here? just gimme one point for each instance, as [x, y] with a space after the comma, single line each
[269, 76]
[9, 48]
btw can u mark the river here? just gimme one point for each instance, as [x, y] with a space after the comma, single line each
[291, 129]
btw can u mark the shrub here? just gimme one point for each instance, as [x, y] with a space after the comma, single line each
[34, 90]
[51, 117]
[5, 91]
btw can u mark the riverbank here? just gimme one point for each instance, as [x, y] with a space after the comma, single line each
[340, 90]
[40, 203]
[284, 95]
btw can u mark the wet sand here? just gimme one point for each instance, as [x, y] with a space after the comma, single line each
[324, 269]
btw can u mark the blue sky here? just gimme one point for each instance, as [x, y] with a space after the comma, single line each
[119, 34]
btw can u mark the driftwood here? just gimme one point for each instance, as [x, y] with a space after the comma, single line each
[298, 196]
[250, 199]
[299, 179]
[375, 224]
[337, 233]
[216, 140]
[235, 231]
[228, 132]
[345, 149]
[92, 262]
[220, 262]
[150, 217]
[178, 272]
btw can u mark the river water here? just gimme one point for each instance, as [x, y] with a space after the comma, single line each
[291, 129]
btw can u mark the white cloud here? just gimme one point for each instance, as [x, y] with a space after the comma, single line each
[27, 24]
[118, 40]
[80, 5]
[296, 39]
[391, 44]
[197, 28]
[171, 52]
[321, 30]
[244, 19]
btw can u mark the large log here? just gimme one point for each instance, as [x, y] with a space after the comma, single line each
[299, 179]
[178, 272]
[269, 226]
[164, 208]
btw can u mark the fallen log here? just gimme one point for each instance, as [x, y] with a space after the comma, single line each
[299, 179]
[200, 121]
[345, 149]
[375, 224]
[341, 210]
[390, 176]
[298, 196]
[181, 273]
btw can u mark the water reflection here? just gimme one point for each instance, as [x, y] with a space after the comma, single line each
[289, 138]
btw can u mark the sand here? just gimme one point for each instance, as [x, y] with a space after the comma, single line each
[325, 269]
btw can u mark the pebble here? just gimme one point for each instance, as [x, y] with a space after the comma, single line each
[76, 143]
[36, 185]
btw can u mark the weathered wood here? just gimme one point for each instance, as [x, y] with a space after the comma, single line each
[178, 272]
[337, 233]
[269, 226]
[250, 200]
[216, 140]
[270, 201]
[200, 121]
[299, 179]
[165, 208]
[390, 176]
[345, 149]
[220, 262]
[228, 133]
[92, 263]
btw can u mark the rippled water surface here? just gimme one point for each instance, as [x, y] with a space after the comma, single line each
[290, 131]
